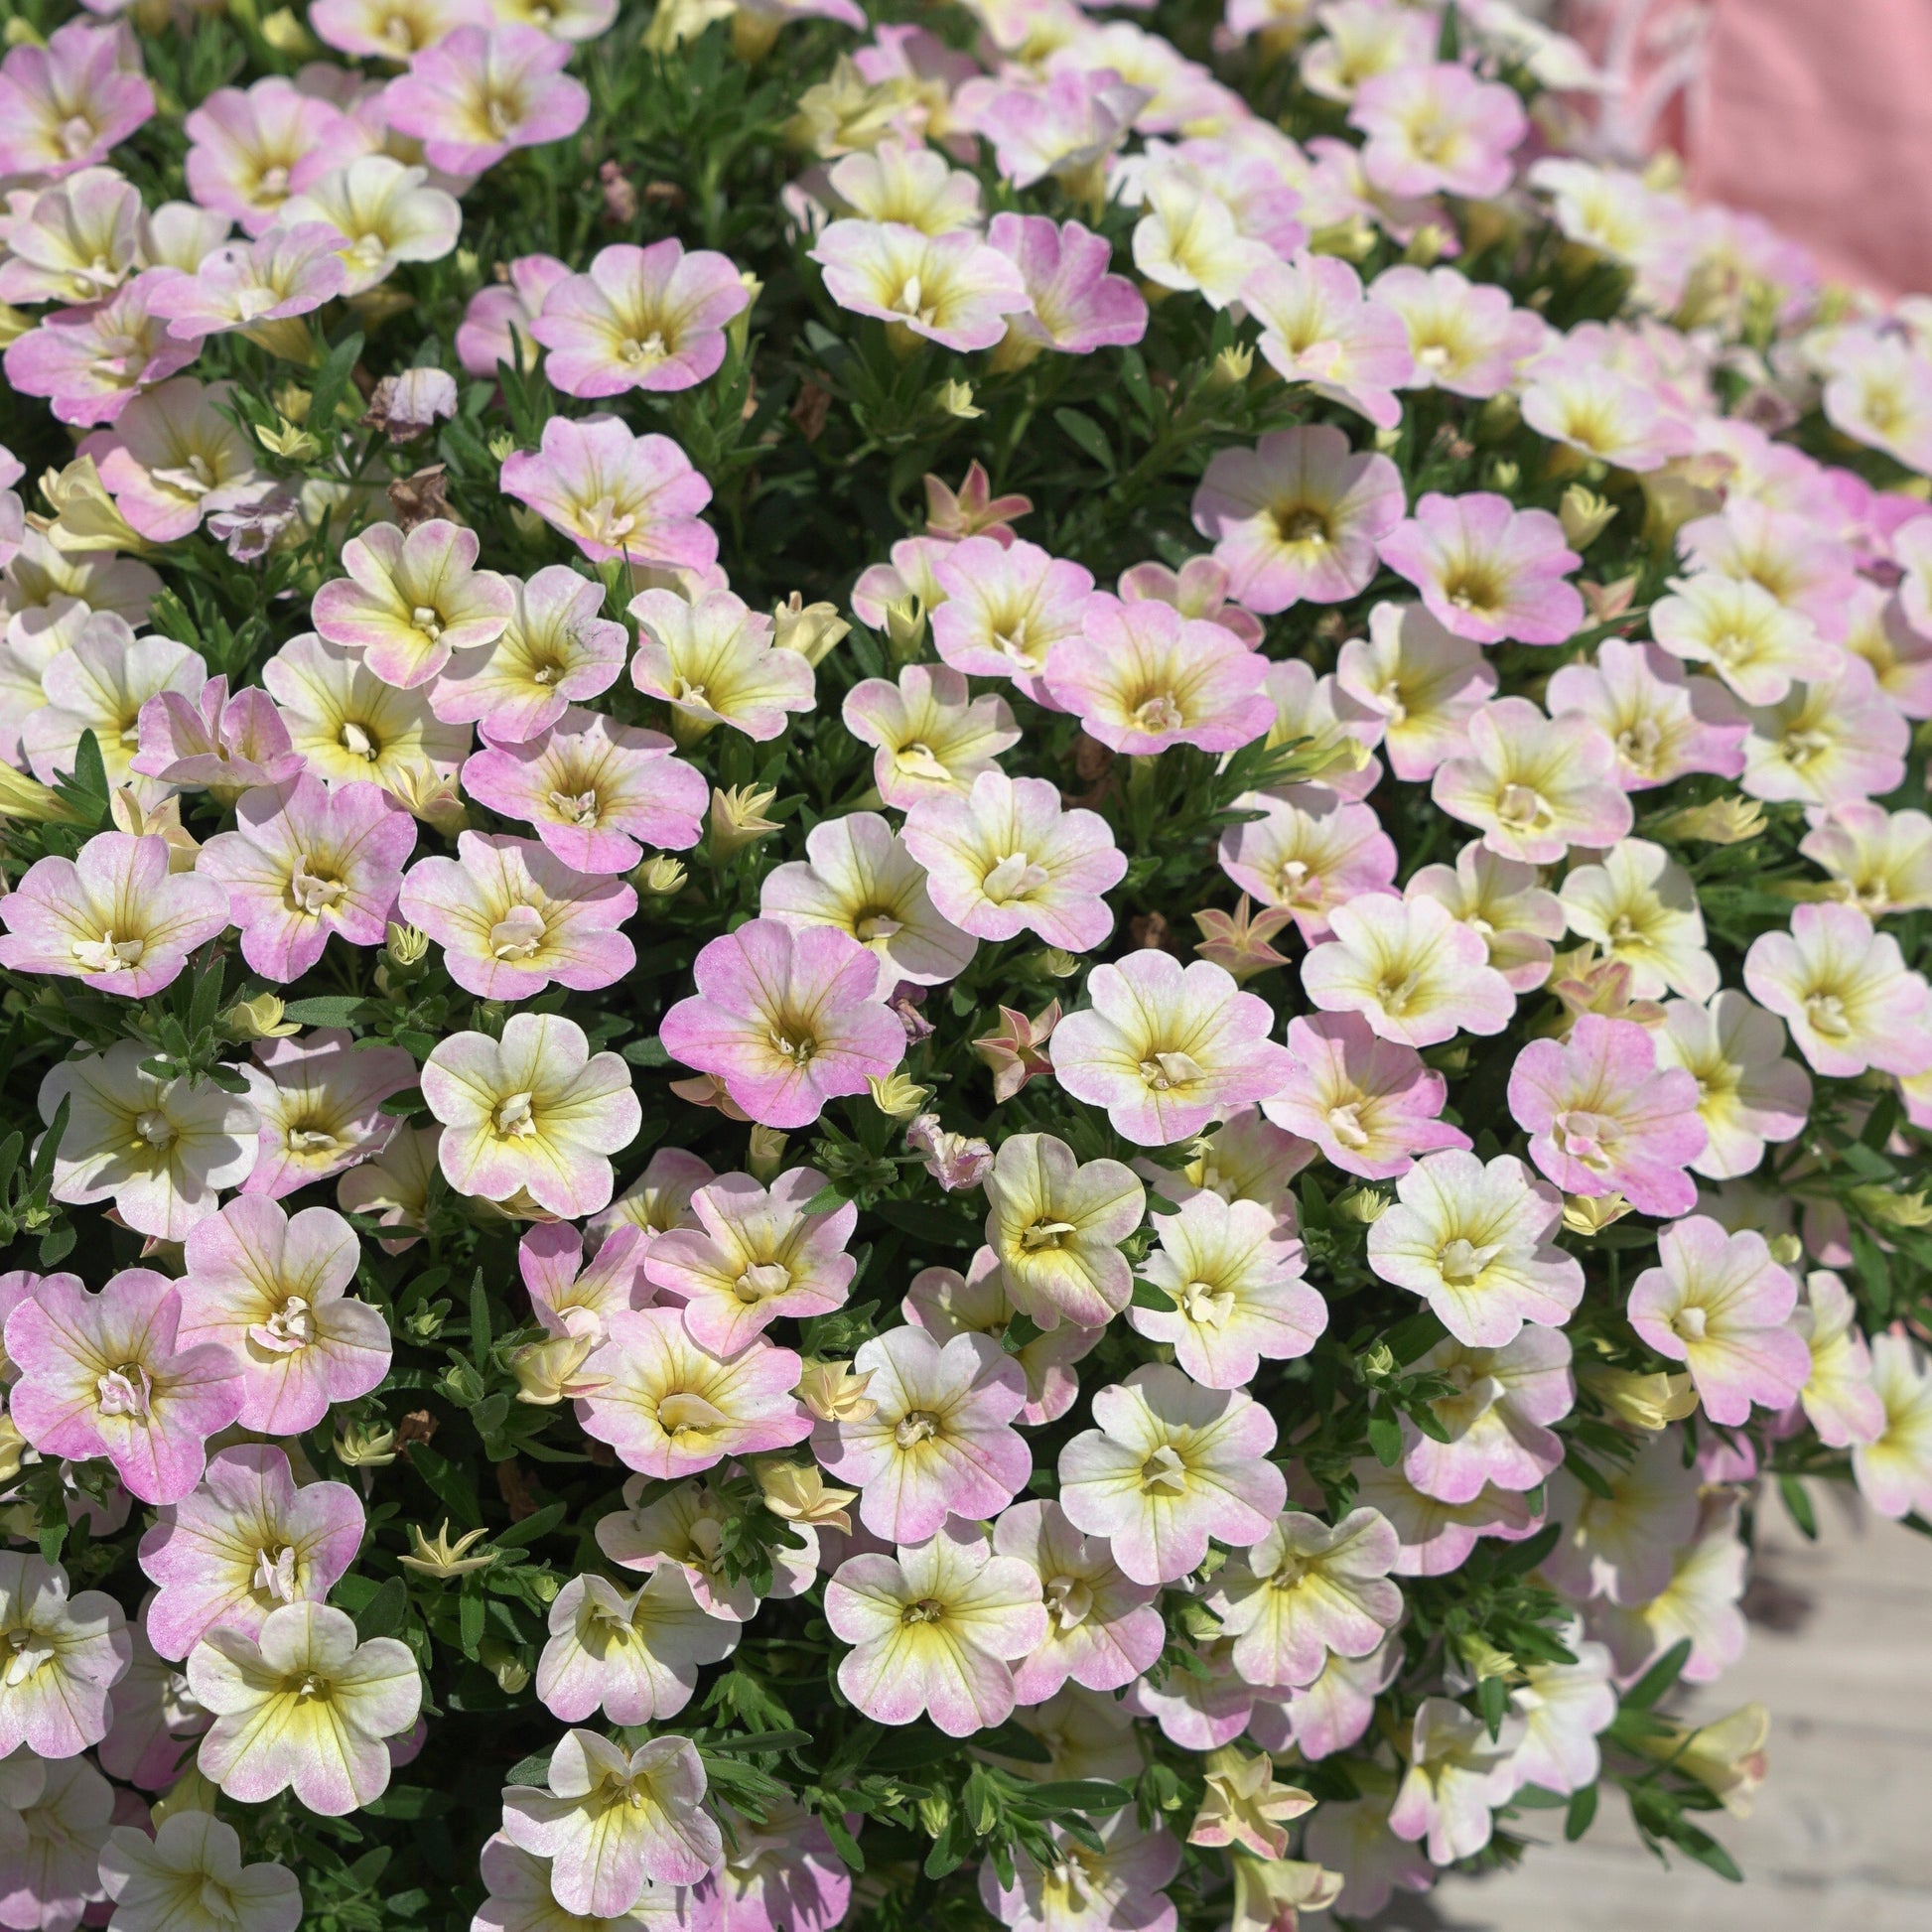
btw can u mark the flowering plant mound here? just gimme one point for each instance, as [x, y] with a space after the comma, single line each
[961, 964]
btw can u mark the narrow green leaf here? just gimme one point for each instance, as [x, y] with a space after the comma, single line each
[1088, 434]
[325, 1009]
[1385, 1438]
[384, 1614]
[1582, 1813]
[1797, 1505]
[647, 1052]
[1492, 1700]
[1659, 1678]
[480, 1325]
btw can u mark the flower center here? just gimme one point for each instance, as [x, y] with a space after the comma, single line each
[1207, 1304]
[313, 892]
[1691, 1324]
[1069, 1601]
[153, 1128]
[125, 1391]
[290, 1328]
[354, 739]
[1162, 1073]
[928, 1609]
[1521, 806]
[107, 954]
[1044, 1234]
[518, 934]
[579, 808]
[918, 761]
[688, 1411]
[1164, 1471]
[514, 1117]
[1015, 876]
[1160, 713]
[912, 301]
[761, 1281]
[29, 1650]
[1301, 524]
[275, 1573]
[645, 355]
[917, 1426]
[1827, 1015]
[1345, 1124]
[1585, 1136]
[1460, 1261]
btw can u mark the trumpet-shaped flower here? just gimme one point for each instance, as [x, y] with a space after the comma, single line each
[1307, 1592]
[935, 1631]
[1166, 1047]
[1237, 1290]
[99, 685]
[1464, 337]
[1118, 1888]
[109, 1375]
[859, 878]
[554, 651]
[319, 1102]
[685, 1529]
[671, 1408]
[1368, 1103]
[615, 494]
[932, 737]
[480, 91]
[68, 101]
[1198, 589]
[785, 1020]
[50, 1875]
[1839, 1399]
[1535, 785]
[634, 1655]
[383, 213]
[1008, 859]
[188, 1876]
[1458, 1773]
[1103, 1630]
[92, 361]
[714, 663]
[595, 792]
[1169, 1465]
[173, 456]
[270, 1289]
[951, 288]
[64, 1654]
[533, 1113]
[1640, 908]
[1076, 305]
[1720, 1305]
[1410, 968]
[1502, 899]
[1309, 851]
[348, 725]
[1748, 1093]
[1436, 128]
[1701, 1602]
[1879, 861]
[512, 918]
[247, 285]
[1662, 723]
[409, 600]
[303, 1706]
[224, 743]
[946, 1302]
[1055, 1224]
[250, 149]
[1142, 677]
[1472, 1239]
[1755, 643]
[1298, 517]
[158, 1150]
[1317, 328]
[114, 917]
[1590, 407]
[1188, 238]
[1603, 1118]
[1833, 741]
[1487, 571]
[1845, 991]
[649, 319]
[1006, 607]
[940, 1440]
[1425, 683]
[1894, 1468]
[755, 1256]
[242, 1542]
[1623, 1544]
[910, 184]
[616, 1823]
[1494, 1418]
[304, 862]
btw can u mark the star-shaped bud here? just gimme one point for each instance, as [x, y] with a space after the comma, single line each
[1239, 940]
[797, 1492]
[1245, 1806]
[441, 1558]
[972, 511]
[833, 1393]
[1017, 1051]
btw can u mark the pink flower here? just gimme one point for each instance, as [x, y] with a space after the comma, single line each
[1198, 589]
[1467, 337]
[319, 1103]
[92, 361]
[68, 1654]
[1602, 413]
[1120, 1886]
[648, 319]
[1077, 307]
[497, 326]
[1535, 785]
[615, 494]
[1006, 859]
[935, 1631]
[304, 862]
[781, 1869]
[477, 93]
[634, 1655]
[1845, 991]
[1494, 1418]
[114, 917]
[1663, 723]
[270, 1290]
[1166, 1047]
[952, 289]
[670, 1408]
[382, 32]
[1317, 328]
[1425, 681]
[1437, 129]
[98, 684]
[1417, 973]
[1236, 1288]
[714, 662]
[512, 918]
[573, 1296]
[1718, 1304]
[595, 792]
[554, 650]
[754, 1257]
[931, 737]
[1309, 851]
[940, 1441]
[1472, 1239]
[1142, 677]
[1368, 1103]
[1060, 124]
[945, 1303]
[1297, 516]
[1102, 1628]
[219, 742]
[173, 458]
[1458, 1774]
[410, 599]
[1169, 1465]
[1488, 571]
[245, 285]
[249, 151]
[785, 1020]
[533, 1113]
[1603, 1119]
[1006, 607]
[242, 1542]
[66, 105]
[103, 1375]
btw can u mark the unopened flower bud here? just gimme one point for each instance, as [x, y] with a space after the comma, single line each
[1057, 963]
[503, 446]
[904, 629]
[1506, 476]
[257, 1019]
[935, 1813]
[765, 1152]
[737, 818]
[1590, 1214]
[955, 398]
[1363, 1204]
[1584, 516]
[13, 1445]
[738, 331]
[292, 402]
[547, 1372]
[833, 1393]
[1379, 1364]
[425, 793]
[1425, 245]
[811, 629]
[406, 947]
[1199, 1621]
[797, 1492]
[897, 1096]
[1230, 369]
[287, 440]
[1787, 1250]
[1898, 1210]
[502, 1663]
[1483, 1659]
[364, 1445]
[1650, 1402]
[525, 522]
[1730, 821]
[660, 876]
[1726, 1758]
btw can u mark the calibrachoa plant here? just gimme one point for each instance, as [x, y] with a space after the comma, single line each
[961, 964]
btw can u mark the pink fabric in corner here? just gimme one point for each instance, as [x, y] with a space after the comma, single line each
[1818, 114]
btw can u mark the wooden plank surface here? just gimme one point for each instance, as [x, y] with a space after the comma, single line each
[1841, 1836]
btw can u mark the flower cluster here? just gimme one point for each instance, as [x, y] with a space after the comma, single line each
[990, 951]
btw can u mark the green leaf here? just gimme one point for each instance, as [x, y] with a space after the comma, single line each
[1582, 1813]
[518, 1535]
[1797, 1505]
[1492, 1700]
[1411, 1339]
[1147, 1295]
[1519, 1559]
[535, 1769]
[749, 1744]
[471, 1617]
[325, 1009]
[647, 1052]
[1088, 434]
[828, 1200]
[1385, 1438]
[927, 1223]
[480, 1325]
[331, 380]
[384, 1614]
[1659, 1678]
[1078, 1794]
